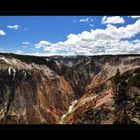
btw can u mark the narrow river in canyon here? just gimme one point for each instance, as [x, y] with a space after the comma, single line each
[62, 120]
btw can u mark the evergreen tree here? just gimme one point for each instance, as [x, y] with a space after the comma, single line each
[116, 80]
[122, 118]
[119, 87]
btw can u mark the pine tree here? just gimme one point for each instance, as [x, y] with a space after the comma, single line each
[116, 80]
[117, 77]
[122, 118]
[119, 87]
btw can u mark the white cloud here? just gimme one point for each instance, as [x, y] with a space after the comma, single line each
[25, 43]
[2, 33]
[91, 25]
[136, 41]
[43, 44]
[135, 16]
[104, 18]
[112, 20]
[19, 52]
[15, 27]
[111, 40]
[86, 20]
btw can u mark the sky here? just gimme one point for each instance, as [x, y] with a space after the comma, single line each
[70, 35]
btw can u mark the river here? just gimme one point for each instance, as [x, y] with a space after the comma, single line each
[62, 119]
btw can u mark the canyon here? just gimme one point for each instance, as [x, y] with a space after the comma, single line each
[102, 89]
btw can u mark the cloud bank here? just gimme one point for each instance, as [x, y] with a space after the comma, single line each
[111, 40]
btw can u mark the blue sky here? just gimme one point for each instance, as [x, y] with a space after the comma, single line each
[70, 35]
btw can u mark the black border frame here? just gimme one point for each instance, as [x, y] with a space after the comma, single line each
[38, 8]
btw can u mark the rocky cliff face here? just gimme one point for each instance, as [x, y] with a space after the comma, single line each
[69, 90]
[106, 102]
[31, 93]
